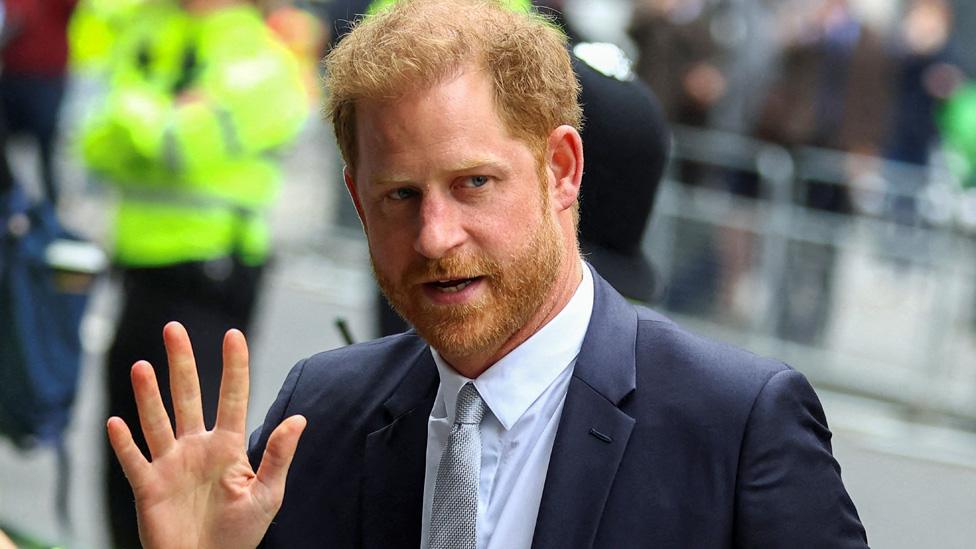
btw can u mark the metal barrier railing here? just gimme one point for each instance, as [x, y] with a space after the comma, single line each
[855, 270]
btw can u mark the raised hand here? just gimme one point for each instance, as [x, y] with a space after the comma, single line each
[199, 490]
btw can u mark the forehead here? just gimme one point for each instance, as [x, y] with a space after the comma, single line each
[438, 123]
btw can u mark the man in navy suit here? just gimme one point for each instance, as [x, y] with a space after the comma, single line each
[604, 424]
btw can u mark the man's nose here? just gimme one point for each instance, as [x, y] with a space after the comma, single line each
[440, 227]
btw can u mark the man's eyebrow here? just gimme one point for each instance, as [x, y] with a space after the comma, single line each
[465, 166]
[390, 180]
[478, 163]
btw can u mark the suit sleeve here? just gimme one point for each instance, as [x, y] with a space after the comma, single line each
[276, 414]
[789, 492]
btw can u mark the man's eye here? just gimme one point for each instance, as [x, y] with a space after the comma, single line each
[401, 194]
[477, 180]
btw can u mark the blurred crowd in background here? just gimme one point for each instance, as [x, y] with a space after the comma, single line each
[889, 85]
[883, 79]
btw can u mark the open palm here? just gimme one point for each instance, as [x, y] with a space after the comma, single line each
[199, 489]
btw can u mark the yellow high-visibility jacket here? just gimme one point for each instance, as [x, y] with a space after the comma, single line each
[197, 105]
[92, 30]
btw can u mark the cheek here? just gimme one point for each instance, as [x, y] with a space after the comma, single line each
[382, 224]
[388, 248]
[516, 223]
[388, 251]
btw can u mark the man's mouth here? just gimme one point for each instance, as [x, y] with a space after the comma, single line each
[452, 286]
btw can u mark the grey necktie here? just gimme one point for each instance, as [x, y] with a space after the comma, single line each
[454, 515]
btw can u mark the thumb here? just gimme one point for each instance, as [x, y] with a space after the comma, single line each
[277, 458]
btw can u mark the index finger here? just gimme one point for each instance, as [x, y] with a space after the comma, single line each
[234, 384]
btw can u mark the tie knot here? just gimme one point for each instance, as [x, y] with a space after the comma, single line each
[470, 408]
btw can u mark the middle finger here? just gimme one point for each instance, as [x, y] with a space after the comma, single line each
[183, 380]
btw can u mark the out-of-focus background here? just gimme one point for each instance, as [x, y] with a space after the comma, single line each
[819, 207]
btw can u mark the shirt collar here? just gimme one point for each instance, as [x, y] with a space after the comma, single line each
[511, 385]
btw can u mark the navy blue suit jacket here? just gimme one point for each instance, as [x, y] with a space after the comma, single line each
[667, 440]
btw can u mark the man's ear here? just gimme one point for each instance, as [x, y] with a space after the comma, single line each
[354, 194]
[564, 164]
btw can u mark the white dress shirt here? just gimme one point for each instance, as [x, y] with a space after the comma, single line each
[525, 392]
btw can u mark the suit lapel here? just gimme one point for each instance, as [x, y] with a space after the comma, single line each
[392, 494]
[593, 431]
